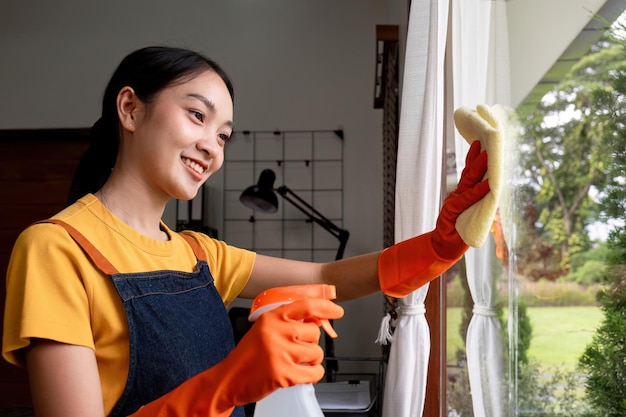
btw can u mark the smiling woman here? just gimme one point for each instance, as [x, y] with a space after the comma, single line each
[112, 313]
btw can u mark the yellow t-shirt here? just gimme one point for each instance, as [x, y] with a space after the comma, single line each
[55, 292]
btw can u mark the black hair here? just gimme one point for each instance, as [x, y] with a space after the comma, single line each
[147, 71]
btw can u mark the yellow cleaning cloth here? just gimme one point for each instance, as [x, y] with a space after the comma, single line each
[482, 124]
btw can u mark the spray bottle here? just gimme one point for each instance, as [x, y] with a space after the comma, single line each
[298, 400]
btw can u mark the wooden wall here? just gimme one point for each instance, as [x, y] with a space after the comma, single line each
[36, 167]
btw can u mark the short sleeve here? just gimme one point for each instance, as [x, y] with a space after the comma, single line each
[47, 297]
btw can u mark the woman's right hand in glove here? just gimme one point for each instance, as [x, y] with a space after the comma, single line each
[280, 350]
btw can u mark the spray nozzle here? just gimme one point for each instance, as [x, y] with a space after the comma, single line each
[275, 297]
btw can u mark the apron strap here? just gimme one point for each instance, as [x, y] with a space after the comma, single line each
[195, 246]
[91, 251]
[98, 258]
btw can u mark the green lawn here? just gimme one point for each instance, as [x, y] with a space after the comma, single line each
[559, 334]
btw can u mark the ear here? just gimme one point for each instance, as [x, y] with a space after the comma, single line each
[127, 107]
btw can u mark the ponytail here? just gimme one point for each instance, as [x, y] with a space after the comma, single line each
[98, 160]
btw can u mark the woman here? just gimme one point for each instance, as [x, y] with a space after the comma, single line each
[114, 314]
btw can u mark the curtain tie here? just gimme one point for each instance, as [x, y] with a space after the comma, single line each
[412, 310]
[484, 311]
[385, 336]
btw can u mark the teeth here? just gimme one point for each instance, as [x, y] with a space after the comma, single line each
[193, 165]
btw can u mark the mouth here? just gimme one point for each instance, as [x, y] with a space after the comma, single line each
[194, 165]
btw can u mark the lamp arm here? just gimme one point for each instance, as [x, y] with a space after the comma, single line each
[343, 241]
[341, 234]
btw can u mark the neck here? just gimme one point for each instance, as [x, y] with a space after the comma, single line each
[137, 210]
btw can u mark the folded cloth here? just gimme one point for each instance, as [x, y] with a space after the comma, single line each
[485, 125]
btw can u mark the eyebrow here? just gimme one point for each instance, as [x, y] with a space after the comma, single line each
[209, 105]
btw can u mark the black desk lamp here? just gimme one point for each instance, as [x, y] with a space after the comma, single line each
[262, 197]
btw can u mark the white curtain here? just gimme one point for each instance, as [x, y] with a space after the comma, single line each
[481, 76]
[418, 194]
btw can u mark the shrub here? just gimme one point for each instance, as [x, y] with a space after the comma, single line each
[604, 359]
[617, 244]
[591, 272]
[553, 294]
[541, 392]
[549, 392]
[524, 332]
[532, 294]
[600, 252]
[455, 293]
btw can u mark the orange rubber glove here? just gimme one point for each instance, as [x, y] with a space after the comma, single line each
[268, 357]
[407, 265]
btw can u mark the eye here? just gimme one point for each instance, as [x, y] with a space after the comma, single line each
[224, 137]
[197, 115]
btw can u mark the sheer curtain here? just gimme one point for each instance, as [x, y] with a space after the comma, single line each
[418, 193]
[481, 76]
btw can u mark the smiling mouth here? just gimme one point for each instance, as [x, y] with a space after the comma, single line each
[194, 165]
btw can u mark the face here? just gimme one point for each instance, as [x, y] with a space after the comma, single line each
[177, 141]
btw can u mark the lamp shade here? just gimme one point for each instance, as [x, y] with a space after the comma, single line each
[261, 196]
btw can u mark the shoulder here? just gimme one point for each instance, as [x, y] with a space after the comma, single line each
[46, 231]
[45, 242]
[46, 249]
[42, 235]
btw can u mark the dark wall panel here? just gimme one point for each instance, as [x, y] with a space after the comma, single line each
[36, 167]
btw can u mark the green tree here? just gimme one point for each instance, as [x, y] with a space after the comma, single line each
[604, 359]
[567, 148]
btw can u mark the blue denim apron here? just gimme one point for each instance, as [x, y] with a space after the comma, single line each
[178, 325]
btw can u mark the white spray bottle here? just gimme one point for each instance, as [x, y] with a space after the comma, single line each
[298, 400]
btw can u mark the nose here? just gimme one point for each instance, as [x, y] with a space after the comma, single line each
[209, 145]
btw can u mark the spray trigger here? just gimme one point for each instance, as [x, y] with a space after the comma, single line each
[328, 328]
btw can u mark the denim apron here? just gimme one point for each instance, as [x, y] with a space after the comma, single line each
[177, 323]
